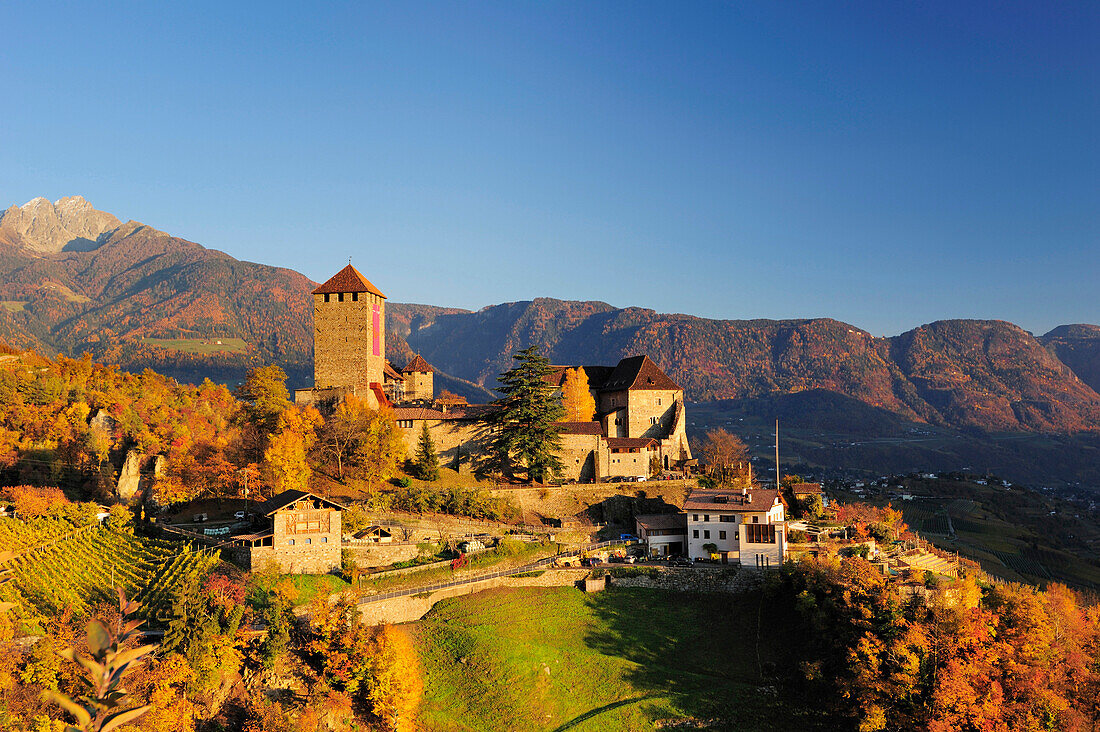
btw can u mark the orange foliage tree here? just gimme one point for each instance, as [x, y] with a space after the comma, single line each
[576, 397]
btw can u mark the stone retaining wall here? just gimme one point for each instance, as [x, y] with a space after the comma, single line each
[726, 580]
[413, 607]
[381, 555]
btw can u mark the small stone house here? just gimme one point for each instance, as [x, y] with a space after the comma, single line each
[303, 537]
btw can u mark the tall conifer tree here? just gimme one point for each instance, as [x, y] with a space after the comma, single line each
[526, 436]
[427, 462]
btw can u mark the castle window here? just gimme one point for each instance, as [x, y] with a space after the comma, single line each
[355, 298]
[340, 297]
[290, 542]
[324, 539]
[326, 297]
[658, 401]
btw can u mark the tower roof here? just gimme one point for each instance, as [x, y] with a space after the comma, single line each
[348, 280]
[418, 365]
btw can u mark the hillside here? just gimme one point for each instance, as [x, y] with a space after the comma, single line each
[74, 279]
[1077, 346]
[987, 374]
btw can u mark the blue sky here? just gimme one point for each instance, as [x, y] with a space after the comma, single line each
[886, 164]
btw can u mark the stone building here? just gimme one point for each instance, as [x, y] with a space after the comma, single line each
[419, 380]
[303, 536]
[639, 423]
[349, 341]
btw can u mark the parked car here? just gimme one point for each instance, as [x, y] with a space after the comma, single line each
[629, 559]
[680, 562]
[627, 537]
[199, 518]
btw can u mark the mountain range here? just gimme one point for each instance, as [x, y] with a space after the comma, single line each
[74, 279]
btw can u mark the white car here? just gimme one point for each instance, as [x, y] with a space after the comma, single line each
[240, 515]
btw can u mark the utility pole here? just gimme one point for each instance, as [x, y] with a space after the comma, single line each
[777, 474]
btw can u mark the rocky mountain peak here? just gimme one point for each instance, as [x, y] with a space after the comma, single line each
[42, 227]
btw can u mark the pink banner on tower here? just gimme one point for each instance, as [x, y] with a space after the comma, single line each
[375, 332]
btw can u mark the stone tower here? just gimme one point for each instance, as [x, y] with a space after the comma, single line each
[349, 333]
[419, 379]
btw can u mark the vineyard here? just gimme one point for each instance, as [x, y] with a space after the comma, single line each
[17, 536]
[80, 572]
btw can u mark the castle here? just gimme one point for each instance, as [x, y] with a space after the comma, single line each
[639, 426]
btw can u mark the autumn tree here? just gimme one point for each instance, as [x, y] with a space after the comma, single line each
[576, 398]
[285, 457]
[265, 396]
[526, 435]
[426, 463]
[343, 430]
[394, 686]
[380, 450]
[725, 457]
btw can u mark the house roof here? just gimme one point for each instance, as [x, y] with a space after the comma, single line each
[638, 372]
[802, 489]
[348, 280]
[456, 412]
[418, 365]
[389, 372]
[630, 442]
[662, 521]
[580, 428]
[289, 498]
[760, 499]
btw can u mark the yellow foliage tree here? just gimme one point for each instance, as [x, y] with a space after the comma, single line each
[576, 398]
[285, 456]
[394, 687]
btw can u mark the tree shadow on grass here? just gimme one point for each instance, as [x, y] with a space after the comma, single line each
[701, 652]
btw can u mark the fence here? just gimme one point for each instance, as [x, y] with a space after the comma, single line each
[541, 563]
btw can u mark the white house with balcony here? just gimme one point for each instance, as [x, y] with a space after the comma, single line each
[746, 527]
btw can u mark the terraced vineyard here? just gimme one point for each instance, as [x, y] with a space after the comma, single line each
[18, 536]
[80, 572]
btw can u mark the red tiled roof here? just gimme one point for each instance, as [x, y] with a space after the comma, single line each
[416, 413]
[458, 412]
[419, 365]
[801, 489]
[580, 428]
[630, 442]
[348, 280]
[662, 521]
[391, 373]
[638, 372]
[762, 499]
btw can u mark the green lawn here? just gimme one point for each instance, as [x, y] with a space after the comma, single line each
[624, 659]
[306, 586]
[200, 345]
[13, 306]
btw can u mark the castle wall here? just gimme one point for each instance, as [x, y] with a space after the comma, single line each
[450, 436]
[349, 340]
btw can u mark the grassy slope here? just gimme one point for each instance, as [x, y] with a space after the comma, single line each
[557, 659]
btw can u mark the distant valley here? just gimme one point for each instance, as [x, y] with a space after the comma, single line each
[76, 280]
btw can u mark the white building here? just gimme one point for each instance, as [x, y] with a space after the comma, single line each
[665, 534]
[747, 527]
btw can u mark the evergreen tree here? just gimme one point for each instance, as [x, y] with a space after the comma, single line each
[526, 435]
[427, 462]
